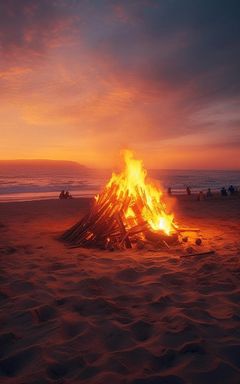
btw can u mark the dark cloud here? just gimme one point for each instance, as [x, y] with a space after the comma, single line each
[29, 27]
[181, 43]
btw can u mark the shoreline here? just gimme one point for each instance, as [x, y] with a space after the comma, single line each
[19, 197]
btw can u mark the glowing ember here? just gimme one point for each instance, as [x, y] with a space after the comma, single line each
[128, 210]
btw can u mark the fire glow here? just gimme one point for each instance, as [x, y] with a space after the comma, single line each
[128, 210]
[145, 199]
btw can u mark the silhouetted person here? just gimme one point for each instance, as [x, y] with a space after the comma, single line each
[201, 196]
[169, 191]
[67, 195]
[223, 191]
[62, 195]
[231, 189]
[209, 193]
[188, 190]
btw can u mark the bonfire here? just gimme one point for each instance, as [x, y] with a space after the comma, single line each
[130, 211]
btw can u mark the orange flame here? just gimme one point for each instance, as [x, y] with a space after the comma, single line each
[141, 201]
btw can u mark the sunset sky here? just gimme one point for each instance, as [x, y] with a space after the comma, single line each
[80, 80]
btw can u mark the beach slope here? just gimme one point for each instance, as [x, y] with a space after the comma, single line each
[87, 316]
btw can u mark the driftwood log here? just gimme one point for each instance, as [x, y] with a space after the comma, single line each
[199, 254]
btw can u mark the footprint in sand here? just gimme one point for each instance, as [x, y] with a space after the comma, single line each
[70, 367]
[20, 361]
[45, 313]
[129, 275]
[7, 340]
[142, 330]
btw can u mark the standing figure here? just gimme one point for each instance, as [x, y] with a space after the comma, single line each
[201, 196]
[223, 191]
[209, 193]
[231, 189]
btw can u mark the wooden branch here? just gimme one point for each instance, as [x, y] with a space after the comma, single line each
[166, 244]
[199, 254]
[123, 231]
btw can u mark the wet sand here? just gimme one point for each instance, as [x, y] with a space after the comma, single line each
[141, 317]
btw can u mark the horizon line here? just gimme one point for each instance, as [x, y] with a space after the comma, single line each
[112, 168]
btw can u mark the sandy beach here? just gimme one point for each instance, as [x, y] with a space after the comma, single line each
[138, 316]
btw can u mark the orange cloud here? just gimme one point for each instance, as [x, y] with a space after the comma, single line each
[81, 82]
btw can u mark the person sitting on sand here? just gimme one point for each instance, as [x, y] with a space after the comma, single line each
[209, 193]
[68, 195]
[62, 195]
[188, 190]
[223, 191]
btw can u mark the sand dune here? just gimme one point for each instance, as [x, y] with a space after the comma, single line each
[142, 317]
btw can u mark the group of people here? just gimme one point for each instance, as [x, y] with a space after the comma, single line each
[231, 191]
[65, 195]
[202, 196]
[223, 192]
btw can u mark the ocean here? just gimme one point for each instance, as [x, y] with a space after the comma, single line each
[27, 185]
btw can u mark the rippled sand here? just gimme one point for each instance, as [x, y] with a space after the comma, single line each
[85, 316]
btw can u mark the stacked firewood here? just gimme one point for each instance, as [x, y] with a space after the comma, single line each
[105, 225]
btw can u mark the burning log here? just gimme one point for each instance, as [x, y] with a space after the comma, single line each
[156, 236]
[128, 211]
